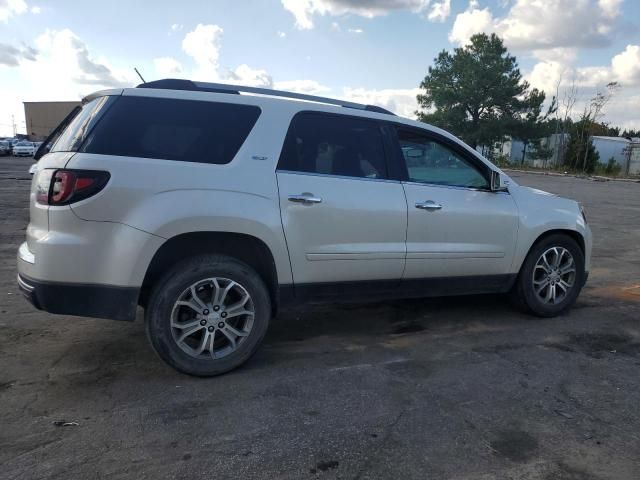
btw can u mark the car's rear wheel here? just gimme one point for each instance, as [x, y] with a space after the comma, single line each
[551, 277]
[208, 315]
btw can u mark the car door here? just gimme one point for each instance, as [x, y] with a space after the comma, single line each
[457, 226]
[344, 220]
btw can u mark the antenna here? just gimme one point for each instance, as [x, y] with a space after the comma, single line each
[139, 75]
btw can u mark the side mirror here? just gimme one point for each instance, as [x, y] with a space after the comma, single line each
[496, 185]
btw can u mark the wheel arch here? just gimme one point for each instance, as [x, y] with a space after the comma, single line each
[574, 234]
[246, 248]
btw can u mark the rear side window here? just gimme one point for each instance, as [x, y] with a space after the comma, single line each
[170, 129]
[73, 130]
[334, 145]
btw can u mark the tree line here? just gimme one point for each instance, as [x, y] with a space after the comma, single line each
[477, 93]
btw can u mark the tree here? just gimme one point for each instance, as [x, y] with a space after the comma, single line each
[581, 153]
[532, 127]
[592, 112]
[477, 92]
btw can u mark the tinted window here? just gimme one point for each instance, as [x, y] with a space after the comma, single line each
[334, 145]
[429, 161]
[184, 130]
[79, 123]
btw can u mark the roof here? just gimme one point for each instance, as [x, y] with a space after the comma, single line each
[613, 139]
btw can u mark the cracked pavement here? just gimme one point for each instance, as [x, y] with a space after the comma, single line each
[451, 388]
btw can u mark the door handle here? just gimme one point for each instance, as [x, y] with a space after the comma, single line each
[428, 205]
[305, 198]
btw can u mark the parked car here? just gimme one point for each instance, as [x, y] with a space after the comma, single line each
[5, 147]
[24, 149]
[213, 210]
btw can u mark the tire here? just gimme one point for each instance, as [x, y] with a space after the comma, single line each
[163, 315]
[533, 276]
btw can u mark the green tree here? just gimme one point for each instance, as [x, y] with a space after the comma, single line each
[581, 155]
[477, 92]
[532, 127]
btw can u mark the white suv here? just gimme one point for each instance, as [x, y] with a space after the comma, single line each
[211, 209]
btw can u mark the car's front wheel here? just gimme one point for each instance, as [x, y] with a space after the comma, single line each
[208, 315]
[551, 277]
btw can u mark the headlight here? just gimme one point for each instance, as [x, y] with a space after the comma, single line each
[584, 215]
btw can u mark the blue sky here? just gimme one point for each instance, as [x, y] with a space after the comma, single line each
[376, 51]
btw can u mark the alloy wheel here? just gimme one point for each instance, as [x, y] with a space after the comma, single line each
[212, 317]
[554, 275]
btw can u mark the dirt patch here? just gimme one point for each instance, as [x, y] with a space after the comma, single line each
[516, 445]
[627, 293]
[597, 345]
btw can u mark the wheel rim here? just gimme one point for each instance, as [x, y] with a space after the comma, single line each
[554, 275]
[212, 317]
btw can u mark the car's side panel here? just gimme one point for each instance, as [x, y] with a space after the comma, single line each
[474, 233]
[168, 198]
[541, 212]
[356, 232]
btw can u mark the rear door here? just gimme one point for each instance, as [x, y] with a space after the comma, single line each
[457, 227]
[343, 218]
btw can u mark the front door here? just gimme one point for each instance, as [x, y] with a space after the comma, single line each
[457, 227]
[343, 219]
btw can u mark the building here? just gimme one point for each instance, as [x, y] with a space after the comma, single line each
[632, 154]
[611, 147]
[624, 151]
[42, 117]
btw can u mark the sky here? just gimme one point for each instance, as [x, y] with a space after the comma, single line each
[369, 51]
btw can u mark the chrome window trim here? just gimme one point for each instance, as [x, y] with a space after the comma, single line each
[343, 177]
[455, 187]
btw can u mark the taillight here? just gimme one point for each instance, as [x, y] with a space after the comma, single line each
[62, 187]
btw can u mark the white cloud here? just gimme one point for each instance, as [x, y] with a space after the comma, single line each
[610, 8]
[35, 10]
[281, 34]
[542, 24]
[355, 30]
[304, 10]
[245, 75]
[309, 87]
[203, 45]
[440, 11]
[9, 8]
[400, 101]
[167, 66]
[64, 56]
[624, 69]
[473, 20]
[11, 56]
[176, 27]
[626, 66]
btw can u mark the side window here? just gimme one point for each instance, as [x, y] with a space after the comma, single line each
[334, 145]
[171, 129]
[431, 162]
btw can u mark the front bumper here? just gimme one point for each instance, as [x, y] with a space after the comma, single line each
[98, 301]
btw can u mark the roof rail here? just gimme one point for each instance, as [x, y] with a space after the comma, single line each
[180, 84]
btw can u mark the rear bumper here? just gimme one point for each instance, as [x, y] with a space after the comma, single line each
[99, 301]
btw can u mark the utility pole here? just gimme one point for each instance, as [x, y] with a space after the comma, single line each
[13, 124]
